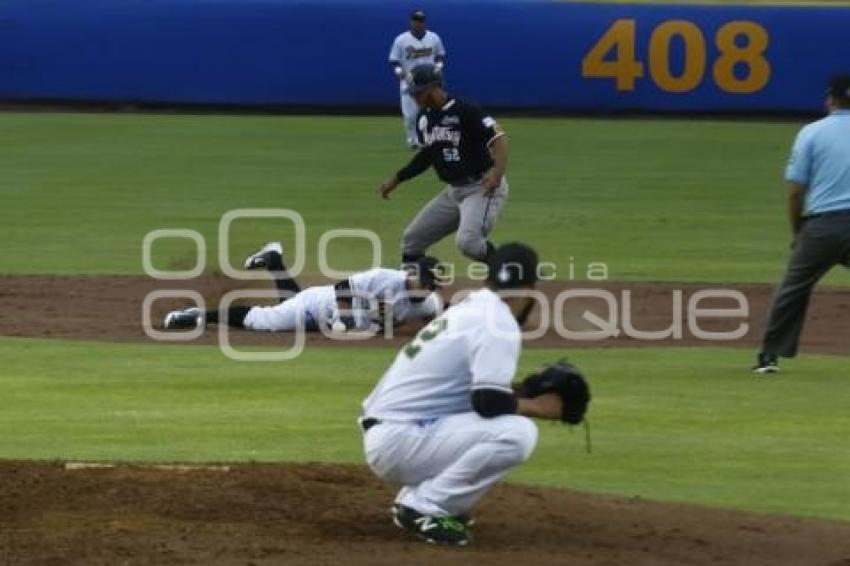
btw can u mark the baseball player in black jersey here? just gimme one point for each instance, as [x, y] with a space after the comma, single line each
[469, 152]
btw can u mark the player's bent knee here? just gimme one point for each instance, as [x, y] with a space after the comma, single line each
[471, 245]
[520, 439]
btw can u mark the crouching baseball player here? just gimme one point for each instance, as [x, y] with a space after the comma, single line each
[445, 423]
[356, 303]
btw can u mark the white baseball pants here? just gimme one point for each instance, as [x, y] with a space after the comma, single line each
[446, 465]
[409, 110]
[286, 316]
[308, 308]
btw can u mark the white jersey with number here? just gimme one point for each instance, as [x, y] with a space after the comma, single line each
[409, 51]
[474, 344]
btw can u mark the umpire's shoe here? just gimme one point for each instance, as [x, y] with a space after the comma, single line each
[183, 319]
[260, 259]
[446, 530]
[766, 363]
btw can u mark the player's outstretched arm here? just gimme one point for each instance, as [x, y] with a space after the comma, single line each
[491, 403]
[387, 186]
[499, 150]
[420, 162]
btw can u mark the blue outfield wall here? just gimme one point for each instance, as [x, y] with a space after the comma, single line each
[522, 54]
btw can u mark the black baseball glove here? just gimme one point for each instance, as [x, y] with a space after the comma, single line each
[567, 381]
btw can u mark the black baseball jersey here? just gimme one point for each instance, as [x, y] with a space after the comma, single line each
[457, 138]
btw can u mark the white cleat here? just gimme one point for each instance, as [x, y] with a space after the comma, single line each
[259, 259]
[183, 319]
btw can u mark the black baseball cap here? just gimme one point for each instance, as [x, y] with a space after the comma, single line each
[839, 87]
[423, 77]
[417, 16]
[512, 265]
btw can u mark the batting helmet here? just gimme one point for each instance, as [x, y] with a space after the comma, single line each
[512, 265]
[423, 77]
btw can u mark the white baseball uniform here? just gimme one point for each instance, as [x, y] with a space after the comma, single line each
[306, 309]
[317, 305]
[429, 439]
[408, 51]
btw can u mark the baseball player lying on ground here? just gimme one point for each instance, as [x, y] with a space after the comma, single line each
[445, 422]
[357, 303]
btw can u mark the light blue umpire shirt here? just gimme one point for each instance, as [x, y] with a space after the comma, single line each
[820, 160]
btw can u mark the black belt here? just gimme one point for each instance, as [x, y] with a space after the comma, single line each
[467, 180]
[843, 212]
[368, 423]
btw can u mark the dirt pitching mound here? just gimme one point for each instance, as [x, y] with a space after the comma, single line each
[332, 514]
[109, 308]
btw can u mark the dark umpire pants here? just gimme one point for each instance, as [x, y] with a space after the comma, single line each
[823, 242]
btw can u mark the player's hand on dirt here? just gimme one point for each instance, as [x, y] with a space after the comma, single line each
[340, 324]
[387, 186]
[491, 181]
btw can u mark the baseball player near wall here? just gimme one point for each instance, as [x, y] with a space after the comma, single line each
[818, 175]
[355, 303]
[414, 47]
[469, 152]
[444, 421]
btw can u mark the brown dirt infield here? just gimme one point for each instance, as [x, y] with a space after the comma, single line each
[109, 308]
[331, 514]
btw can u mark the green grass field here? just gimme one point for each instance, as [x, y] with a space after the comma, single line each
[653, 199]
[683, 424]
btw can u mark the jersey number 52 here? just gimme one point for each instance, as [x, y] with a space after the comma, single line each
[451, 154]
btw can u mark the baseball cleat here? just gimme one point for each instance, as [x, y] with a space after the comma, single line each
[467, 520]
[766, 363]
[260, 258]
[183, 319]
[446, 529]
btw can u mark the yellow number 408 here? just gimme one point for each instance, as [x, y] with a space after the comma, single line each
[625, 69]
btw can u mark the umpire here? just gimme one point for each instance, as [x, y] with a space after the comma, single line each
[818, 174]
[469, 152]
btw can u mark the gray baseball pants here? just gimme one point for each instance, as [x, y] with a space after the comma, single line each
[823, 242]
[464, 209]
